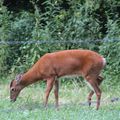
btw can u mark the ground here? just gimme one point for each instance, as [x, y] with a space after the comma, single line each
[73, 105]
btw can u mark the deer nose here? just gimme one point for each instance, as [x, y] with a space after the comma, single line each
[12, 100]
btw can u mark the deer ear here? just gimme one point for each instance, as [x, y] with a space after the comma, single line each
[18, 78]
[11, 83]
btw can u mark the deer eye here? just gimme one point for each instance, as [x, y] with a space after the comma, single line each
[12, 89]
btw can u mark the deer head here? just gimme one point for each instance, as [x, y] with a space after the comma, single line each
[15, 87]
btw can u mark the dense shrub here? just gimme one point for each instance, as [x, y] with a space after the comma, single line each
[82, 22]
[5, 20]
[112, 55]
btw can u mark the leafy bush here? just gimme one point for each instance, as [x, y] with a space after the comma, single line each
[110, 49]
[112, 55]
[82, 22]
[5, 20]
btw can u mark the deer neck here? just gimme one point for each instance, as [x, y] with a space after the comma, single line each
[30, 77]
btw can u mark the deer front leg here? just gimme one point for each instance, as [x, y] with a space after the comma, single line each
[89, 97]
[49, 87]
[56, 90]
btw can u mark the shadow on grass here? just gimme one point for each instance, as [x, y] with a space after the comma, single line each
[31, 106]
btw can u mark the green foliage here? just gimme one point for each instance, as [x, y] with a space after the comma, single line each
[5, 20]
[112, 55]
[22, 26]
[113, 29]
[69, 20]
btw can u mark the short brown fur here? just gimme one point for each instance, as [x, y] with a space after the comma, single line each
[54, 65]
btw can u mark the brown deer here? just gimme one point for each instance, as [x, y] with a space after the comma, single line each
[52, 66]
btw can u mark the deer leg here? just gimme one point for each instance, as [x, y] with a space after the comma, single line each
[56, 90]
[89, 97]
[96, 88]
[49, 87]
[99, 81]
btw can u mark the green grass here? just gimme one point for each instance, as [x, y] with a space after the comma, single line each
[29, 105]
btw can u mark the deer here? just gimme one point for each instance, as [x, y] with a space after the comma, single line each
[51, 66]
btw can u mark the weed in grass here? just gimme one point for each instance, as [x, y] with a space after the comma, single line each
[73, 105]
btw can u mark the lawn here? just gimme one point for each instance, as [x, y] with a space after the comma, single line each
[73, 105]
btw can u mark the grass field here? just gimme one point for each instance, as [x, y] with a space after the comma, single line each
[73, 105]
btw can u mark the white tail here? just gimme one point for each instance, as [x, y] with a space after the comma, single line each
[68, 62]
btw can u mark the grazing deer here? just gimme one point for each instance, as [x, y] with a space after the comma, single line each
[52, 66]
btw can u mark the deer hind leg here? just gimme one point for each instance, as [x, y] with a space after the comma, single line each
[56, 90]
[99, 81]
[50, 82]
[93, 82]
